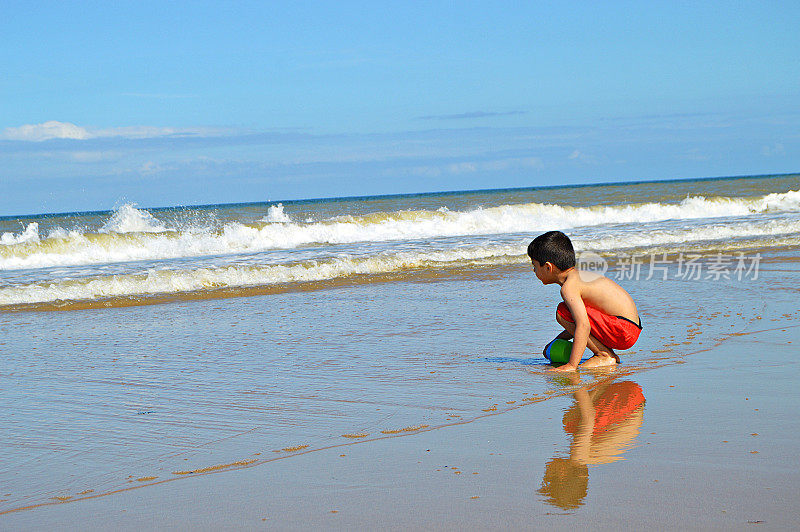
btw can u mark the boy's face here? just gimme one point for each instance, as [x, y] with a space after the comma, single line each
[544, 272]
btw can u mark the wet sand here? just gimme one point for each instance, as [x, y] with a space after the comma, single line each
[711, 443]
[716, 450]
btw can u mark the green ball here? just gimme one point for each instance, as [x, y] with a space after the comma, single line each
[558, 352]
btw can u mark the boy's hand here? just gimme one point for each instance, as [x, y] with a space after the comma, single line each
[563, 369]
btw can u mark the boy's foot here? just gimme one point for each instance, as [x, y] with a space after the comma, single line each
[600, 360]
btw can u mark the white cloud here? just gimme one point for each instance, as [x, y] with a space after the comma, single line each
[462, 168]
[92, 156]
[159, 95]
[515, 162]
[695, 154]
[65, 130]
[772, 151]
[581, 157]
[46, 131]
[469, 167]
[150, 168]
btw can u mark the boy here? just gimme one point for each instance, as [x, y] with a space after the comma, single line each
[596, 312]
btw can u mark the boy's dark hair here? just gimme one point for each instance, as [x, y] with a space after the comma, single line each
[554, 247]
[565, 483]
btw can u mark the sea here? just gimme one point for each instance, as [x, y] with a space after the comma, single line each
[134, 255]
[143, 345]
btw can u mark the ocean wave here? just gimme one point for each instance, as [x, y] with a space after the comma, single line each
[29, 234]
[129, 219]
[718, 237]
[729, 236]
[156, 282]
[133, 234]
[275, 214]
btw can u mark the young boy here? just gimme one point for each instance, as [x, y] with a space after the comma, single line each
[596, 312]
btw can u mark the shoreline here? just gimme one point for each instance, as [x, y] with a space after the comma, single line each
[777, 253]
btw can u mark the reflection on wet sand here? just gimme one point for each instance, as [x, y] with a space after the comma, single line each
[603, 422]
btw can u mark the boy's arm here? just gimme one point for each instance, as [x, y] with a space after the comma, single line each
[572, 297]
[581, 442]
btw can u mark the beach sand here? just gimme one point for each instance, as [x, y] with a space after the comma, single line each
[710, 444]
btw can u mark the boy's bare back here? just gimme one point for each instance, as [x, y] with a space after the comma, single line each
[601, 293]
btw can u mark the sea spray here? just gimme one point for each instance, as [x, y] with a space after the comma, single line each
[29, 234]
[128, 219]
[275, 214]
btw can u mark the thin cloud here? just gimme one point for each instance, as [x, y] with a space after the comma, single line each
[474, 114]
[581, 157]
[159, 96]
[470, 167]
[65, 130]
[92, 156]
[659, 116]
[774, 150]
[148, 132]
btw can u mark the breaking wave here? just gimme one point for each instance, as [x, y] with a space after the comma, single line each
[178, 281]
[129, 219]
[133, 234]
[275, 214]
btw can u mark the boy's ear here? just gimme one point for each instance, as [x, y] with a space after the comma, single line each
[549, 267]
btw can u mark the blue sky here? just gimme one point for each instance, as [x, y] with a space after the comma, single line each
[168, 103]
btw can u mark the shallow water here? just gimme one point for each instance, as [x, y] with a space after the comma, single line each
[103, 399]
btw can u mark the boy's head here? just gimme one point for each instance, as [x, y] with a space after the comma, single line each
[554, 247]
[565, 483]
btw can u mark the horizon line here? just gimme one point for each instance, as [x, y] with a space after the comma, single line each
[397, 195]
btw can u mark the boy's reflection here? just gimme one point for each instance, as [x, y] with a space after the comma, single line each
[603, 423]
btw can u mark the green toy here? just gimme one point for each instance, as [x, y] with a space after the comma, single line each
[558, 352]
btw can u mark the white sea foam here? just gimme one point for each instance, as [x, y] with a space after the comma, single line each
[29, 234]
[729, 236]
[275, 214]
[133, 234]
[181, 281]
[129, 219]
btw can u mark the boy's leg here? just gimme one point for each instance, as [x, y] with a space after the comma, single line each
[564, 335]
[603, 355]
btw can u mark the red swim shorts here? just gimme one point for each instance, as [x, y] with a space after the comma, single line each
[615, 332]
[614, 404]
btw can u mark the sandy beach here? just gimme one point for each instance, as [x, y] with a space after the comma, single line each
[698, 428]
